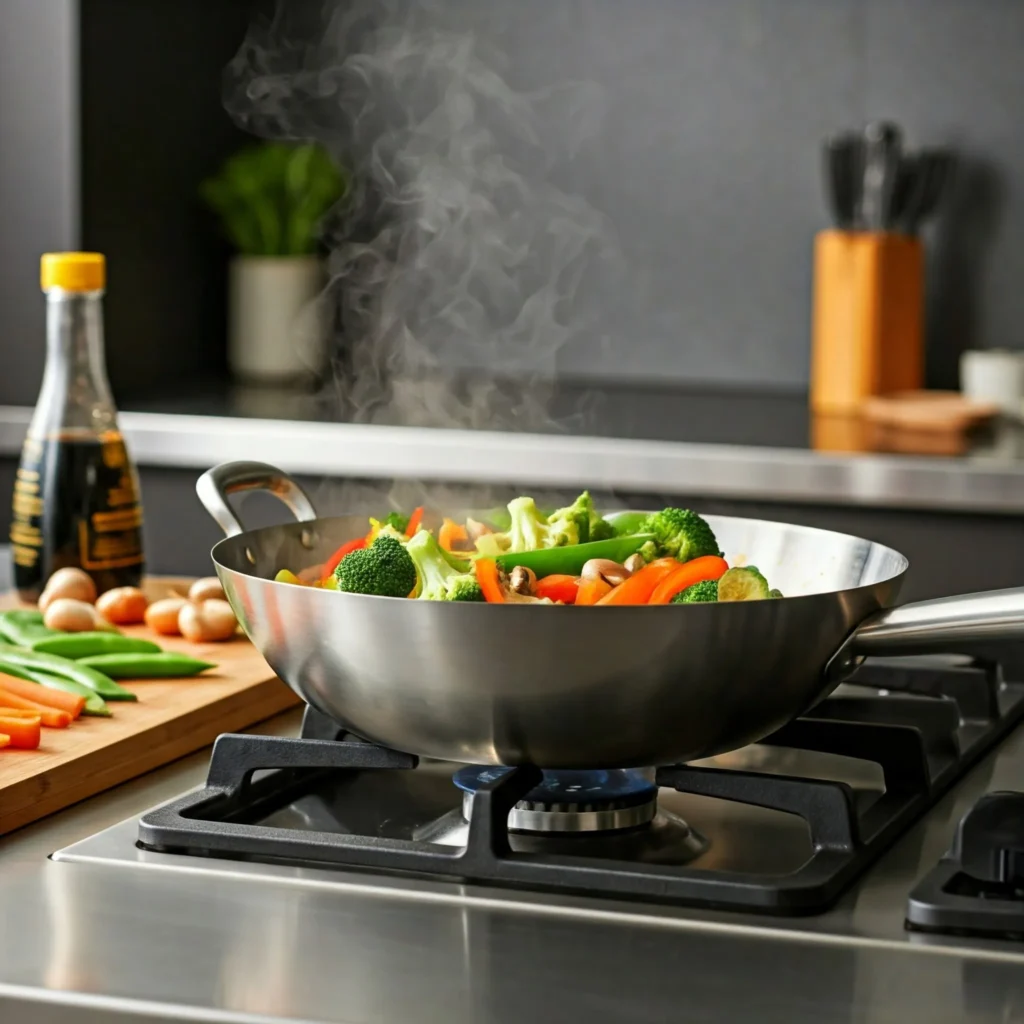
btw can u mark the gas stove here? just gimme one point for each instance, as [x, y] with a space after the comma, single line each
[783, 829]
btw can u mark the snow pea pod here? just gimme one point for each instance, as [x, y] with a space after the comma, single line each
[22, 627]
[627, 521]
[86, 645]
[146, 665]
[65, 668]
[569, 560]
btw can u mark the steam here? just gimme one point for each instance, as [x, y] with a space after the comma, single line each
[459, 269]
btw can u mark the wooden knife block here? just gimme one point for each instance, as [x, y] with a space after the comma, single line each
[868, 324]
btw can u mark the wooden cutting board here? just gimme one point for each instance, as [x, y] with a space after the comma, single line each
[172, 718]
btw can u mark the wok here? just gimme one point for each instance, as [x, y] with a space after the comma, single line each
[596, 687]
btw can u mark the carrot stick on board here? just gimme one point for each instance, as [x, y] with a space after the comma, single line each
[23, 732]
[53, 718]
[43, 695]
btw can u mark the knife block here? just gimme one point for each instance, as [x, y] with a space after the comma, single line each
[868, 322]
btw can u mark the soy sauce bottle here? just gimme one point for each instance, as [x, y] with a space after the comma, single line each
[76, 494]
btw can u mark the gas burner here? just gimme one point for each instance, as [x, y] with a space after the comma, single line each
[603, 814]
[978, 887]
[571, 801]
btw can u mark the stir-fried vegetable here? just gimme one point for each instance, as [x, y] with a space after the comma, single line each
[438, 579]
[684, 576]
[571, 556]
[704, 592]
[743, 583]
[384, 569]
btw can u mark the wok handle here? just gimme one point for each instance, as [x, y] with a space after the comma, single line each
[217, 484]
[936, 627]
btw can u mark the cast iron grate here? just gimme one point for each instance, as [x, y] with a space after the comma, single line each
[932, 723]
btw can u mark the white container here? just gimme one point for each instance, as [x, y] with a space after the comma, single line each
[276, 330]
[994, 375]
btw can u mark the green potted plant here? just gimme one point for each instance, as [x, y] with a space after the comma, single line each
[270, 199]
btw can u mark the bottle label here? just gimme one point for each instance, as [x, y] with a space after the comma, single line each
[76, 502]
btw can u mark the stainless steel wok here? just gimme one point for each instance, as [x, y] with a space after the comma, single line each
[579, 687]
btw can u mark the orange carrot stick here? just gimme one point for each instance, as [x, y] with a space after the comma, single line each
[414, 521]
[639, 587]
[68, 702]
[591, 591]
[558, 588]
[489, 580]
[23, 732]
[709, 567]
[53, 718]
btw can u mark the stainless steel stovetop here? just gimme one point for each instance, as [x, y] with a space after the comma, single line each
[209, 938]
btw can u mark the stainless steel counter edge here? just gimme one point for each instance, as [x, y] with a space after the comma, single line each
[461, 456]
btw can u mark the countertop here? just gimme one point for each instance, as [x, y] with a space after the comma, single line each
[104, 943]
[760, 447]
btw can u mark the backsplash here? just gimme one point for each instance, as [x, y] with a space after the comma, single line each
[705, 162]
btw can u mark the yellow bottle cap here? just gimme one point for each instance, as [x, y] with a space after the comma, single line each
[73, 271]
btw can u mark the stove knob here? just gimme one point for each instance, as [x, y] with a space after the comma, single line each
[990, 840]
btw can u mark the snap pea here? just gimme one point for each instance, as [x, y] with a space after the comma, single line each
[15, 657]
[627, 522]
[86, 645]
[569, 560]
[164, 665]
[94, 703]
[22, 627]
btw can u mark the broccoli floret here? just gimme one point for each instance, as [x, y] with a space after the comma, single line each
[576, 519]
[531, 530]
[384, 569]
[601, 529]
[678, 533]
[465, 588]
[438, 578]
[699, 593]
[396, 520]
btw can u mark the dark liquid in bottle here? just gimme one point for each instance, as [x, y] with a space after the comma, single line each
[76, 503]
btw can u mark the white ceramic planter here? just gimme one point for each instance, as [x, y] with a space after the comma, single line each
[276, 331]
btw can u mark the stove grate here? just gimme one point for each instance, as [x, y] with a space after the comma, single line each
[922, 743]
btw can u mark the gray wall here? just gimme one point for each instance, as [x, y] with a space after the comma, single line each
[709, 168]
[38, 174]
[706, 162]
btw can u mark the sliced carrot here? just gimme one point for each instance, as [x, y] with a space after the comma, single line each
[709, 567]
[23, 732]
[451, 533]
[5, 741]
[489, 580]
[414, 521]
[53, 718]
[558, 588]
[591, 591]
[68, 702]
[639, 587]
